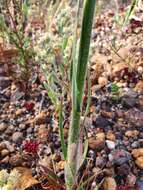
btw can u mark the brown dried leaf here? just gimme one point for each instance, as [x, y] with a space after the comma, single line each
[26, 180]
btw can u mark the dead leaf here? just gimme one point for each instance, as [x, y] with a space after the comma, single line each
[26, 180]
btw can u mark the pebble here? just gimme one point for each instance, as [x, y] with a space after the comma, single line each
[101, 122]
[131, 180]
[9, 146]
[42, 133]
[9, 130]
[22, 126]
[100, 136]
[129, 102]
[140, 185]
[139, 87]
[16, 160]
[47, 151]
[100, 162]
[110, 136]
[17, 136]
[140, 102]
[4, 82]
[19, 112]
[140, 70]
[110, 144]
[102, 81]
[4, 152]
[137, 152]
[139, 162]
[123, 169]
[41, 118]
[135, 144]
[96, 144]
[2, 146]
[119, 157]
[3, 127]
[130, 133]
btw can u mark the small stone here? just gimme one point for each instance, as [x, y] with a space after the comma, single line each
[17, 136]
[16, 160]
[4, 82]
[100, 136]
[9, 146]
[4, 152]
[128, 102]
[137, 152]
[3, 127]
[140, 184]
[139, 87]
[47, 151]
[41, 118]
[139, 162]
[96, 144]
[110, 144]
[9, 130]
[134, 116]
[130, 133]
[102, 81]
[131, 180]
[135, 144]
[141, 141]
[140, 102]
[22, 126]
[91, 153]
[42, 133]
[61, 174]
[119, 157]
[140, 70]
[2, 146]
[110, 136]
[16, 94]
[100, 162]
[101, 122]
[123, 169]
[19, 112]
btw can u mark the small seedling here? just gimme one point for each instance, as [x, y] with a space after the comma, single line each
[114, 88]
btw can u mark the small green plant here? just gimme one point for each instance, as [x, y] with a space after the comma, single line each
[123, 22]
[13, 20]
[65, 79]
[114, 88]
[79, 71]
[55, 58]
